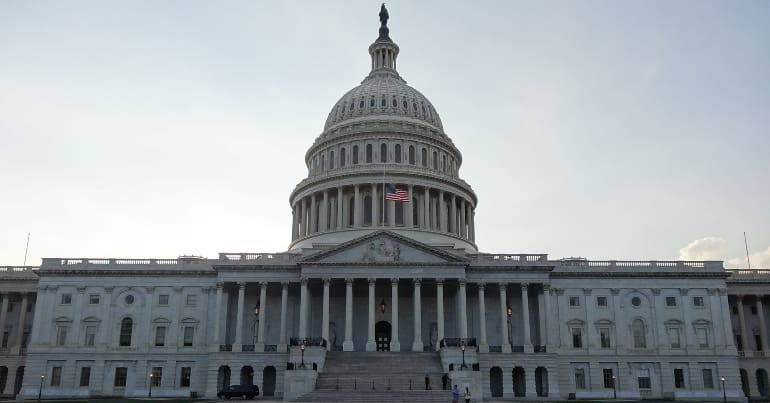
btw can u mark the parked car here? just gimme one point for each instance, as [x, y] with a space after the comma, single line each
[244, 391]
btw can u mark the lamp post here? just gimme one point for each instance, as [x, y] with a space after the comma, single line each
[40, 391]
[724, 392]
[462, 348]
[256, 323]
[614, 389]
[302, 350]
[509, 312]
[383, 306]
[149, 394]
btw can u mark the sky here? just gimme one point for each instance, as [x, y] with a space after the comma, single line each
[599, 129]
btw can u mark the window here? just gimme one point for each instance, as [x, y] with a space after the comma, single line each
[738, 342]
[93, 299]
[670, 301]
[679, 378]
[698, 301]
[383, 101]
[702, 337]
[355, 155]
[577, 337]
[126, 329]
[184, 378]
[323, 163]
[644, 380]
[411, 155]
[758, 341]
[397, 153]
[674, 337]
[189, 331]
[85, 376]
[66, 299]
[160, 336]
[443, 163]
[361, 103]
[638, 331]
[192, 299]
[156, 375]
[121, 373]
[342, 157]
[601, 301]
[607, 376]
[371, 102]
[163, 299]
[90, 336]
[604, 336]
[56, 376]
[61, 335]
[424, 158]
[331, 159]
[574, 301]
[636, 301]
[6, 335]
[580, 378]
[708, 379]
[129, 299]
[368, 153]
[394, 102]
[435, 160]
[383, 152]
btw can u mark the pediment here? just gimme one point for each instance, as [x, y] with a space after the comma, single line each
[384, 247]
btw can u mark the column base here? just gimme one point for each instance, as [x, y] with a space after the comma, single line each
[371, 346]
[417, 347]
[395, 346]
[529, 348]
[282, 348]
[237, 347]
[483, 348]
[259, 348]
[347, 345]
[506, 348]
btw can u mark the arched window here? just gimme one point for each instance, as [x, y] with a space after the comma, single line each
[443, 163]
[405, 104]
[640, 339]
[368, 153]
[397, 153]
[394, 102]
[323, 163]
[383, 101]
[371, 102]
[368, 210]
[411, 155]
[355, 155]
[383, 152]
[126, 329]
[424, 158]
[435, 160]
[361, 104]
[315, 164]
[342, 157]
[331, 159]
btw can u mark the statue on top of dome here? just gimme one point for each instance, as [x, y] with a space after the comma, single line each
[384, 31]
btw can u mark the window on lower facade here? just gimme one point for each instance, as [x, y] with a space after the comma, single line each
[601, 301]
[126, 330]
[698, 301]
[638, 331]
[738, 342]
[121, 373]
[90, 336]
[577, 337]
[708, 378]
[156, 375]
[61, 335]
[673, 337]
[607, 376]
[6, 335]
[189, 332]
[574, 301]
[184, 378]
[93, 299]
[679, 378]
[702, 337]
[604, 336]
[85, 376]
[644, 382]
[670, 301]
[580, 378]
[758, 341]
[160, 336]
[163, 299]
[56, 376]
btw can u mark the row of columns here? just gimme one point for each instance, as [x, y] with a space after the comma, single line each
[395, 345]
[743, 328]
[17, 345]
[334, 211]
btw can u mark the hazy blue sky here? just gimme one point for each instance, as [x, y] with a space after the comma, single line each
[604, 129]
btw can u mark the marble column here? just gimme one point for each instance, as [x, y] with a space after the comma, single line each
[282, 345]
[440, 311]
[325, 314]
[262, 317]
[356, 206]
[453, 214]
[74, 336]
[303, 218]
[442, 212]
[347, 345]
[726, 318]
[409, 215]
[324, 226]
[426, 209]
[744, 332]
[370, 344]
[294, 219]
[238, 343]
[472, 220]
[392, 213]
[313, 215]
[504, 328]
[340, 208]
[547, 315]
[395, 345]
[303, 305]
[375, 206]
[417, 344]
[483, 345]
[17, 344]
[525, 318]
[4, 310]
[463, 319]
[762, 324]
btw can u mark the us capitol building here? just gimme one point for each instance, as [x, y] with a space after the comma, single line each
[374, 295]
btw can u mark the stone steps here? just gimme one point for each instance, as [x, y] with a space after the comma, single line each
[422, 396]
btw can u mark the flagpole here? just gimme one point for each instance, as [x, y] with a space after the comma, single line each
[746, 244]
[382, 213]
[27, 249]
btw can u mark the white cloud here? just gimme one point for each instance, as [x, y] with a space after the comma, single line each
[759, 260]
[709, 248]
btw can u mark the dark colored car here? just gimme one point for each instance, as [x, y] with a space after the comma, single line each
[244, 391]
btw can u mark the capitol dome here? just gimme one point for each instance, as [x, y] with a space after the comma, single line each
[383, 162]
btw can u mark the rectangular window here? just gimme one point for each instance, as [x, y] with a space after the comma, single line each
[708, 379]
[85, 376]
[739, 342]
[90, 337]
[702, 337]
[61, 335]
[192, 299]
[577, 337]
[93, 299]
[189, 331]
[6, 335]
[679, 378]
[580, 378]
[670, 301]
[156, 375]
[697, 301]
[604, 336]
[644, 382]
[673, 337]
[66, 299]
[163, 299]
[607, 375]
[160, 336]
[56, 376]
[184, 378]
[601, 301]
[758, 340]
[121, 373]
[574, 301]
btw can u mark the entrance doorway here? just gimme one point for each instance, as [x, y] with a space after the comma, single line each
[268, 381]
[382, 335]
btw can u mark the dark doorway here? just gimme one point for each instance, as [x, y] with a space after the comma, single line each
[247, 375]
[762, 383]
[3, 378]
[382, 335]
[519, 385]
[18, 381]
[268, 381]
[541, 381]
[745, 382]
[496, 381]
[223, 377]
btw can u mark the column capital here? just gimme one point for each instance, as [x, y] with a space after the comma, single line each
[713, 291]
[303, 281]
[503, 287]
[179, 288]
[220, 285]
[481, 285]
[394, 281]
[440, 281]
[372, 281]
[81, 289]
[546, 287]
[349, 280]
[327, 281]
[684, 291]
[417, 282]
[284, 284]
[615, 291]
[655, 291]
[263, 283]
[146, 288]
[241, 284]
[739, 297]
[525, 286]
[462, 282]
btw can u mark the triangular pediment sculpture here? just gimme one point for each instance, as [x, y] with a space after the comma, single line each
[384, 247]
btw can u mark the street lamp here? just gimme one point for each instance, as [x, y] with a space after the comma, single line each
[383, 306]
[724, 392]
[462, 348]
[149, 394]
[509, 312]
[614, 390]
[256, 310]
[40, 391]
[302, 350]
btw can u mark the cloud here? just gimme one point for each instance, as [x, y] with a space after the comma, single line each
[759, 260]
[709, 248]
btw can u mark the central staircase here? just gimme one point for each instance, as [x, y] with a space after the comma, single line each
[379, 377]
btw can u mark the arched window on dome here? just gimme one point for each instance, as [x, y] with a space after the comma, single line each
[405, 104]
[397, 153]
[443, 163]
[355, 155]
[126, 331]
[424, 158]
[394, 102]
[368, 210]
[383, 101]
[331, 159]
[414, 106]
[435, 161]
[368, 153]
[371, 102]
[423, 111]
[323, 163]
[352, 106]
[411, 155]
[342, 157]
[361, 103]
[315, 164]
[344, 108]
[383, 152]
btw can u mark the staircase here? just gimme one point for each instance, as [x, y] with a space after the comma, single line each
[379, 377]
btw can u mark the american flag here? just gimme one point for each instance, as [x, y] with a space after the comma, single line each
[397, 195]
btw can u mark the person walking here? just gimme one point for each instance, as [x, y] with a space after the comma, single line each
[467, 396]
[455, 394]
[427, 382]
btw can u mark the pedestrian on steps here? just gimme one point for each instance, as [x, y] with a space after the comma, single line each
[427, 382]
[467, 396]
[455, 394]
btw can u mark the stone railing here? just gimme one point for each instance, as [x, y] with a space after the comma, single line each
[512, 258]
[18, 271]
[749, 275]
[119, 263]
[642, 265]
[250, 257]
